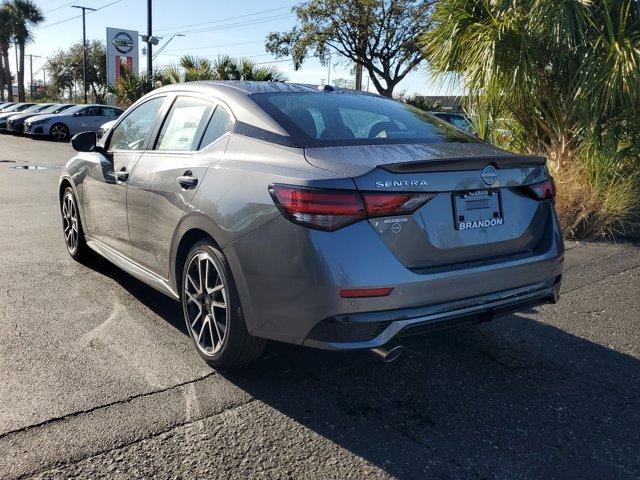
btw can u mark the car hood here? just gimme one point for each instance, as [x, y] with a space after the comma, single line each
[46, 116]
[8, 114]
[355, 160]
[22, 116]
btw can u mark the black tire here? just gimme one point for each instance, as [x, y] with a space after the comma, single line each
[72, 228]
[59, 132]
[235, 346]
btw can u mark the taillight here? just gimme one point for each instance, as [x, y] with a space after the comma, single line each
[319, 208]
[330, 210]
[542, 191]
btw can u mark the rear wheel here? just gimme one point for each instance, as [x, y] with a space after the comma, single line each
[59, 131]
[72, 227]
[212, 311]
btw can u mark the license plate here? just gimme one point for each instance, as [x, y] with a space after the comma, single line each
[477, 209]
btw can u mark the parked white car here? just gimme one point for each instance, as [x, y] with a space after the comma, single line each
[62, 126]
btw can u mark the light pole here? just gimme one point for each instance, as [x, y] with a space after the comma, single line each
[84, 48]
[167, 43]
[149, 38]
[31, 73]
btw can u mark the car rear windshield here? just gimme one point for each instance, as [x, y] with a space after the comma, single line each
[341, 118]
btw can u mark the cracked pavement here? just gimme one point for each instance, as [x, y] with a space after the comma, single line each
[99, 378]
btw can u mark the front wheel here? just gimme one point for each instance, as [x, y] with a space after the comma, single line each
[212, 311]
[60, 132]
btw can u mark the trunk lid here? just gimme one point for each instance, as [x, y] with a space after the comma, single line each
[479, 214]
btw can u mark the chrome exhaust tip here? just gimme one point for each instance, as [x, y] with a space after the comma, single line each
[388, 354]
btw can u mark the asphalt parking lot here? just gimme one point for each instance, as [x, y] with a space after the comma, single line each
[99, 378]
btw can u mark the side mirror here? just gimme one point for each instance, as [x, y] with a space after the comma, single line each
[84, 142]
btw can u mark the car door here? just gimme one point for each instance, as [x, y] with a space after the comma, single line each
[105, 187]
[81, 120]
[191, 138]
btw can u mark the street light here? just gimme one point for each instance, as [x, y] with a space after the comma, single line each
[167, 43]
[84, 48]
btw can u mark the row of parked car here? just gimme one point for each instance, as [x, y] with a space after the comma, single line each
[59, 121]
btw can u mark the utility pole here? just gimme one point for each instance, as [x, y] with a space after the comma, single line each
[150, 37]
[31, 73]
[84, 48]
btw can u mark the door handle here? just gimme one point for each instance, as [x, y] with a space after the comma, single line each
[122, 176]
[187, 180]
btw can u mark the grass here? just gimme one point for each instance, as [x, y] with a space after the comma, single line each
[599, 196]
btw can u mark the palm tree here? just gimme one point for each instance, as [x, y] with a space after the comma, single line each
[25, 15]
[564, 70]
[129, 87]
[6, 31]
[224, 67]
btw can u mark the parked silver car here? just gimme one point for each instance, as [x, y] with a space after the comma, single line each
[15, 123]
[62, 126]
[315, 216]
[12, 110]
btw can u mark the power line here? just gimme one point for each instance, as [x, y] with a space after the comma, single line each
[224, 19]
[216, 46]
[238, 24]
[275, 61]
[234, 55]
[78, 16]
[58, 8]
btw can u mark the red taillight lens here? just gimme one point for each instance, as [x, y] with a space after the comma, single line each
[365, 292]
[330, 210]
[317, 208]
[543, 190]
[387, 204]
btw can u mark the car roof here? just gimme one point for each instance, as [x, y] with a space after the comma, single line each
[236, 94]
[251, 87]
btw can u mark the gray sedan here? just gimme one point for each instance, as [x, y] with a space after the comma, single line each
[311, 215]
[64, 125]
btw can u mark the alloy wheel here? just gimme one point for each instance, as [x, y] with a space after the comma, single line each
[70, 222]
[206, 303]
[59, 132]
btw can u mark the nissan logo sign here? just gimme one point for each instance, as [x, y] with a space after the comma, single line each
[489, 175]
[123, 42]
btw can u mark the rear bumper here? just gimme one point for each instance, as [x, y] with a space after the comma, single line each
[373, 329]
[289, 280]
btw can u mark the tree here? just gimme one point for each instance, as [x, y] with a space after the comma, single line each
[380, 35]
[25, 15]
[129, 87]
[65, 68]
[224, 67]
[6, 32]
[565, 71]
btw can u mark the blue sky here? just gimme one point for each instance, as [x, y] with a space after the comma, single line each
[237, 28]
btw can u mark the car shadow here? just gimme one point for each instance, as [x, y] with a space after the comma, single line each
[513, 398]
[163, 306]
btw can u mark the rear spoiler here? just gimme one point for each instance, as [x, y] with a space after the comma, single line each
[465, 163]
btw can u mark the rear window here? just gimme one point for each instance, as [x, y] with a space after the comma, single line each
[337, 118]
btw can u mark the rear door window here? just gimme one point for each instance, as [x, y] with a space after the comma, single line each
[219, 124]
[185, 122]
